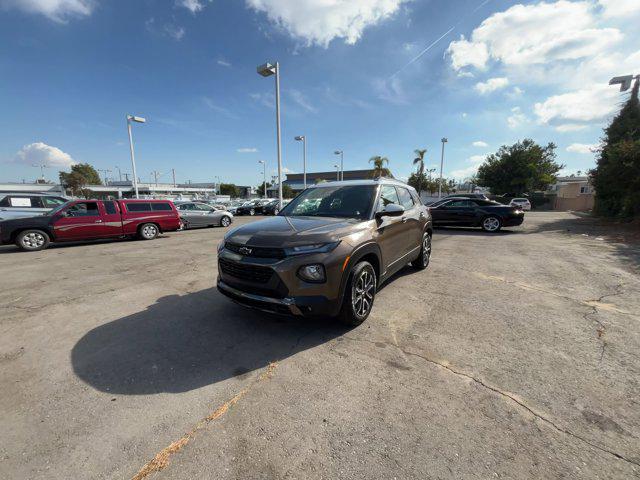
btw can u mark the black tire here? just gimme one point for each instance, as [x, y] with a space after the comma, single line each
[148, 231]
[225, 221]
[185, 225]
[32, 240]
[491, 224]
[423, 259]
[359, 294]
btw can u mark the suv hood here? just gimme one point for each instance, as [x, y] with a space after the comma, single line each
[285, 232]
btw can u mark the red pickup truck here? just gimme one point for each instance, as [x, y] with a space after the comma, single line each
[92, 219]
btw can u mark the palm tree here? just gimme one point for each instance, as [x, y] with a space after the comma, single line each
[419, 160]
[379, 170]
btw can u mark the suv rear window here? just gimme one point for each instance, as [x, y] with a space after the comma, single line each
[160, 206]
[138, 207]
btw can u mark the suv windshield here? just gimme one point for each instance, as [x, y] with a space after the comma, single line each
[354, 201]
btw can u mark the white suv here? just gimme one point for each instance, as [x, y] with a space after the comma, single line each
[21, 205]
[523, 203]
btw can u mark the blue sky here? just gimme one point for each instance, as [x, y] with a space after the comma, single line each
[355, 76]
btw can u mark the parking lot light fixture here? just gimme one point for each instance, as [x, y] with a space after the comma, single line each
[444, 140]
[341, 153]
[303, 139]
[266, 70]
[133, 118]
[624, 81]
[337, 167]
[264, 176]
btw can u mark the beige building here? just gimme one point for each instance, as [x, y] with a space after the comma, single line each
[573, 193]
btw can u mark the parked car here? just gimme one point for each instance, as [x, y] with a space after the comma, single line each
[468, 212]
[328, 260]
[199, 214]
[523, 203]
[92, 219]
[273, 208]
[253, 207]
[233, 206]
[21, 205]
[479, 196]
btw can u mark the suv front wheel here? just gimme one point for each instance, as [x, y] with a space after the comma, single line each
[359, 294]
[422, 261]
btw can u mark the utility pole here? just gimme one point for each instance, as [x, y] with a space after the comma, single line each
[444, 140]
[104, 171]
[156, 174]
[119, 173]
[42, 166]
[173, 173]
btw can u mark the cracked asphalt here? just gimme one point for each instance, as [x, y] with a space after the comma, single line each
[513, 355]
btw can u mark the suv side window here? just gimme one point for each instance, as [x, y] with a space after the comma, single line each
[110, 208]
[388, 195]
[160, 206]
[17, 201]
[460, 203]
[52, 202]
[138, 207]
[405, 198]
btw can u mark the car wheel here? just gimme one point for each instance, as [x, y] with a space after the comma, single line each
[32, 240]
[252, 212]
[359, 294]
[184, 224]
[491, 224]
[423, 259]
[276, 211]
[148, 231]
[225, 221]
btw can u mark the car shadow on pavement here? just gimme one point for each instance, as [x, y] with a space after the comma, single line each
[470, 231]
[184, 342]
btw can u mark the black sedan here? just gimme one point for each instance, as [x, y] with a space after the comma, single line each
[469, 212]
[254, 207]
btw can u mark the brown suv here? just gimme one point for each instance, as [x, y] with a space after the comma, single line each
[328, 250]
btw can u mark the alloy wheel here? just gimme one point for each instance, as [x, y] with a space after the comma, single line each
[149, 231]
[225, 221]
[491, 224]
[33, 240]
[362, 293]
[426, 250]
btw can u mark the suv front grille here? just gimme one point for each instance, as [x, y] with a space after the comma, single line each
[258, 252]
[250, 273]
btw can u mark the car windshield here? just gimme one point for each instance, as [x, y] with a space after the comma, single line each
[353, 201]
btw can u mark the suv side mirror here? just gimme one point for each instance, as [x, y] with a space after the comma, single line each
[391, 210]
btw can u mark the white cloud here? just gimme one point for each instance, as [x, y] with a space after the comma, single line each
[590, 104]
[192, 5]
[480, 143]
[247, 150]
[464, 53]
[539, 33]
[517, 118]
[581, 148]
[223, 63]
[174, 31]
[619, 8]
[41, 153]
[299, 98]
[570, 127]
[390, 90]
[516, 92]
[464, 114]
[266, 99]
[491, 85]
[318, 22]
[464, 173]
[57, 10]
[477, 159]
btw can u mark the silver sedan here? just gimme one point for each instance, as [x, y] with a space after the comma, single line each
[198, 214]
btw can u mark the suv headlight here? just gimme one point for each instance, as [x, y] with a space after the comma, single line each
[312, 273]
[313, 248]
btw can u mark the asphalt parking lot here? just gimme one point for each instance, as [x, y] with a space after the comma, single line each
[513, 355]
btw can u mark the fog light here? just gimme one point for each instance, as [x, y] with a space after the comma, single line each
[312, 273]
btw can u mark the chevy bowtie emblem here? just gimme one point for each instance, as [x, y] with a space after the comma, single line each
[245, 250]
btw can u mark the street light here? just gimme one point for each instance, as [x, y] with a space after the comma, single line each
[444, 140]
[132, 118]
[267, 70]
[264, 176]
[341, 153]
[624, 81]
[303, 139]
[337, 167]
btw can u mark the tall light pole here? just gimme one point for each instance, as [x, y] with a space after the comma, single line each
[132, 118]
[341, 153]
[264, 176]
[267, 70]
[337, 167]
[444, 140]
[303, 139]
[624, 81]
[156, 174]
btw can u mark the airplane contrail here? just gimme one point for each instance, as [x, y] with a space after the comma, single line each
[435, 42]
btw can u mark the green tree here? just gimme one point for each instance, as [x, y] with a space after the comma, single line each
[522, 167]
[379, 170]
[81, 175]
[230, 189]
[419, 160]
[616, 177]
[287, 191]
[260, 188]
[419, 181]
